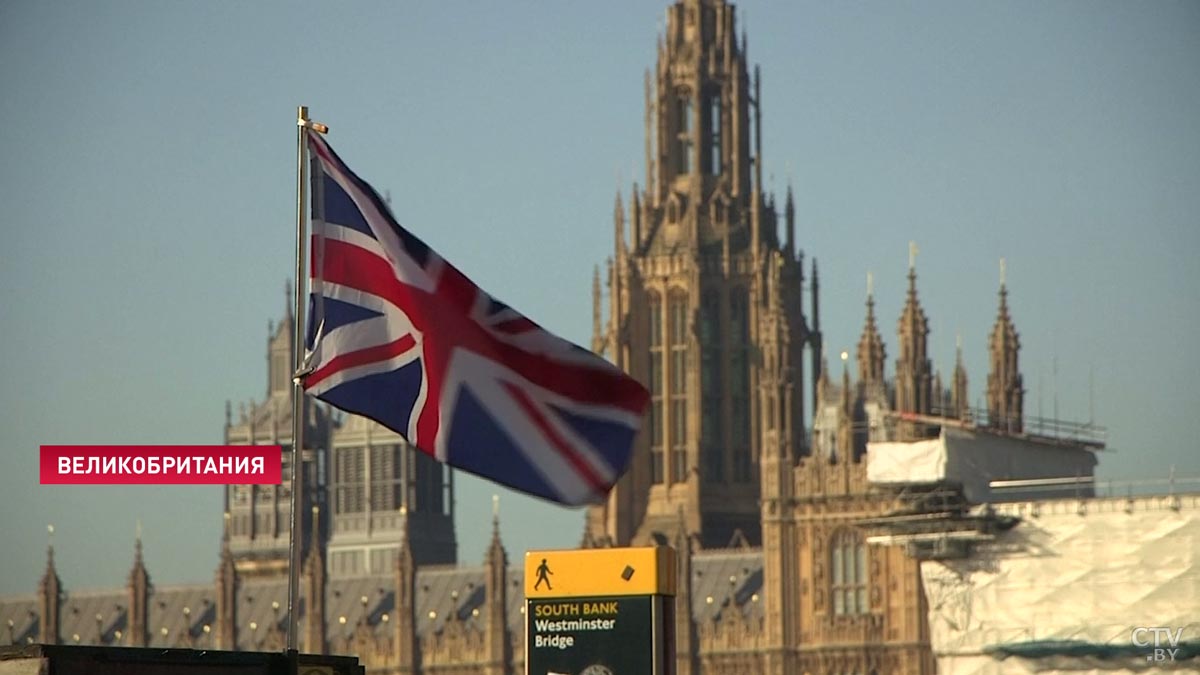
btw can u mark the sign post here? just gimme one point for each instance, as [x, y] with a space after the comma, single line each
[607, 611]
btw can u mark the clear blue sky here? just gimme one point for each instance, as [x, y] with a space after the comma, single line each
[149, 206]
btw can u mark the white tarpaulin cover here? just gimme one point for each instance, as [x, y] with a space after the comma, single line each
[916, 463]
[973, 458]
[1065, 589]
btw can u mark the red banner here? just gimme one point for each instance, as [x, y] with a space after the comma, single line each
[161, 464]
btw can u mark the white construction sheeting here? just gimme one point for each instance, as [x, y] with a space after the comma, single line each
[1066, 589]
[973, 458]
[915, 463]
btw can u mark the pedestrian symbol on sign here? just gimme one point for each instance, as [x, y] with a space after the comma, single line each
[543, 574]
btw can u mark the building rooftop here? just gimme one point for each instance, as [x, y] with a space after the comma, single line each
[185, 615]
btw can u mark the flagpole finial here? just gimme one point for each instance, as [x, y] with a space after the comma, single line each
[870, 284]
[912, 255]
[303, 121]
[1003, 272]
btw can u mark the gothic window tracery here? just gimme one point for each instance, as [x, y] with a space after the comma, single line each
[654, 309]
[683, 138]
[678, 325]
[848, 581]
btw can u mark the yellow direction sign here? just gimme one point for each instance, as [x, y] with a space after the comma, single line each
[599, 611]
[600, 572]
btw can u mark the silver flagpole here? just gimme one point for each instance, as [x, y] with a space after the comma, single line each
[303, 125]
[295, 529]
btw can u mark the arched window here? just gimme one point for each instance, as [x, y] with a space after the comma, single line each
[654, 311]
[678, 324]
[848, 585]
[684, 125]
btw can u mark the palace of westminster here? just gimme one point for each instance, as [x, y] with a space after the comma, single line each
[751, 462]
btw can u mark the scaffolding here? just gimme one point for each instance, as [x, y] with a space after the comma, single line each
[935, 523]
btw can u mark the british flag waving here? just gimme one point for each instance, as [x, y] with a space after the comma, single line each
[397, 334]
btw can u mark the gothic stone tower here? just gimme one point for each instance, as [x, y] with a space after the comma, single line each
[368, 483]
[704, 298]
[259, 515]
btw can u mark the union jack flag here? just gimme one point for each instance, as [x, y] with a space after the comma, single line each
[399, 335]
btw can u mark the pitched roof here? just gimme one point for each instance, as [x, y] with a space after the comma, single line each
[178, 615]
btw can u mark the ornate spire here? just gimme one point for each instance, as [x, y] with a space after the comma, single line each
[314, 569]
[619, 246]
[914, 377]
[406, 581]
[496, 547]
[1004, 393]
[227, 594]
[139, 596]
[814, 337]
[49, 597]
[497, 638]
[871, 351]
[699, 119]
[960, 400]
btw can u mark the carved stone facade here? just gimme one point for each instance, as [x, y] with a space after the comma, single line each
[705, 299]
[860, 608]
[705, 306]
